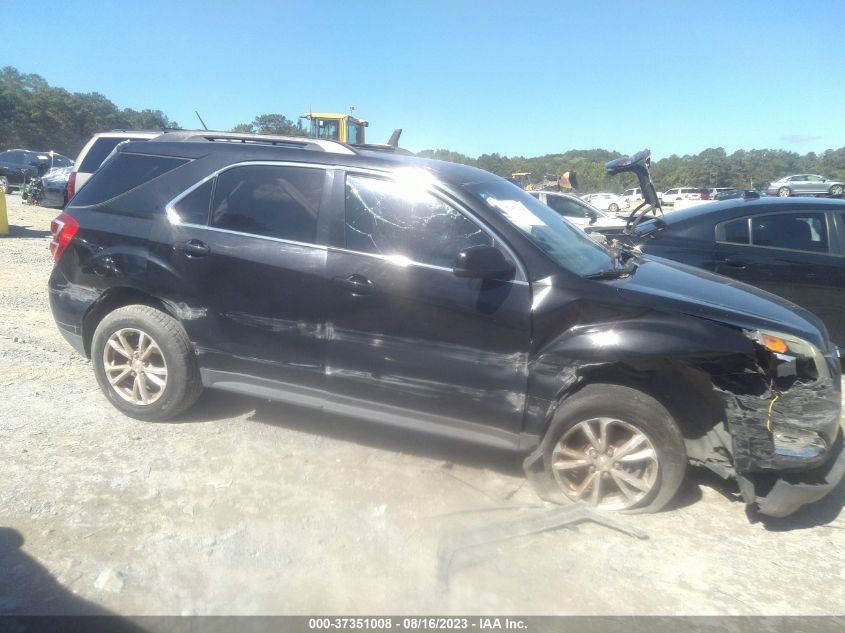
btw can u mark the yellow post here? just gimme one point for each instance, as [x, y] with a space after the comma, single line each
[4, 220]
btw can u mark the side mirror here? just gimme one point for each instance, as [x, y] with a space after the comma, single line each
[483, 262]
[593, 216]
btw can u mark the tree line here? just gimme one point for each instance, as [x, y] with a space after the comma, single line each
[35, 115]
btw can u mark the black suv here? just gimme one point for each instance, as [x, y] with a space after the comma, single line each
[437, 297]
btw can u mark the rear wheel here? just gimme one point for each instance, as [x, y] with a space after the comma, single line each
[784, 192]
[615, 448]
[836, 191]
[144, 363]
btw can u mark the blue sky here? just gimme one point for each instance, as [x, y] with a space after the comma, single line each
[471, 76]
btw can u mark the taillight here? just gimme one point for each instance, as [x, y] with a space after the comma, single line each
[63, 228]
[71, 186]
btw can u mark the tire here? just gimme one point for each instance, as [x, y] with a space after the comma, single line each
[613, 208]
[4, 184]
[836, 191]
[169, 359]
[656, 464]
[784, 192]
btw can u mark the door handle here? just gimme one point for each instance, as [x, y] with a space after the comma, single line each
[357, 284]
[735, 263]
[195, 248]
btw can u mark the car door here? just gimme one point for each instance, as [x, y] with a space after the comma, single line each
[246, 246]
[406, 336]
[815, 184]
[792, 254]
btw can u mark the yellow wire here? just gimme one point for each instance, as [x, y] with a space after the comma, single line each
[771, 405]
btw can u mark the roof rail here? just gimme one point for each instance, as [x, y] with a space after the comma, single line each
[299, 142]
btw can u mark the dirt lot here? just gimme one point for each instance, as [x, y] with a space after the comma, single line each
[248, 507]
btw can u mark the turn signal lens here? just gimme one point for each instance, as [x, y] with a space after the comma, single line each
[774, 343]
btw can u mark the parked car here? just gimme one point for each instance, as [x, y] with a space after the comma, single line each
[609, 202]
[95, 152]
[747, 194]
[19, 165]
[806, 185]
[580, 213]
[437, 297]
[671, 196]
[633, 196]
[715, 191]
[53, 191]
[792, 248]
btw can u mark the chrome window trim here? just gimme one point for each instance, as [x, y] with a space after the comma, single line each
[435, 186]
[208, 227]
[438, 189]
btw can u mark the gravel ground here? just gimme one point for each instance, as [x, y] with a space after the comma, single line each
[247, 507]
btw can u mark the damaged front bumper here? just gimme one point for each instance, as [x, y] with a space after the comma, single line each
[789, 492]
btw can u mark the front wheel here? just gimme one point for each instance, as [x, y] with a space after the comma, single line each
[784, 192]
[613, 208]
[615, 448]
[836, 191]
[4, 184]
[144, 363]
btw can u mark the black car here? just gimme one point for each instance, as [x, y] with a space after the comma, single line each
[19, 165]
[437, 297]
[794, 248]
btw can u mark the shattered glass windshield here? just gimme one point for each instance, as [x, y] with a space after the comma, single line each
[565, 244]
[401, 219]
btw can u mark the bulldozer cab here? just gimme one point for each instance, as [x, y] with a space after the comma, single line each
[336, 127]
[523, 180]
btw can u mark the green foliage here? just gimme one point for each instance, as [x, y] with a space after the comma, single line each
[711, 168]
[38, 116]
[271, 124]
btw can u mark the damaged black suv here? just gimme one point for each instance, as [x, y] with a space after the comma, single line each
[441, 298]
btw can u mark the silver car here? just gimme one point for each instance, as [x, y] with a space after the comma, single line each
[806, 185]
[581, 214]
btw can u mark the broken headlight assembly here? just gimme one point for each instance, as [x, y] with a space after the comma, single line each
[788, 358]
[790, 362]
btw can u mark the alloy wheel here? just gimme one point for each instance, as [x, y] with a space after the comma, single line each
[606, 462]
[836, 191]
[135, 366]
[783, 192]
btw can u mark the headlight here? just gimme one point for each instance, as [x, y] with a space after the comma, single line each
[788, 351]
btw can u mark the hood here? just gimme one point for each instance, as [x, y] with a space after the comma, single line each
[664, 284]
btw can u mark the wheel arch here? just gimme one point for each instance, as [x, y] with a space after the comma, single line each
[111, 300]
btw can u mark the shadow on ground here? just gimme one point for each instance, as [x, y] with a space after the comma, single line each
[22, 231]
[365, 433]
[28, 592]
[219, 405]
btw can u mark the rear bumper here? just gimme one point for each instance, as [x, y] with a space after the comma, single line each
[790, 492]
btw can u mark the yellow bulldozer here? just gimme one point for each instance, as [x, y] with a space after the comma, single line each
[523, 179]
[336, 127]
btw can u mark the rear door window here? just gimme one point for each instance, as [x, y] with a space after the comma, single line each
[384, 218]
[193, 208]
[736, 232]
[795, 231]
[269, 200]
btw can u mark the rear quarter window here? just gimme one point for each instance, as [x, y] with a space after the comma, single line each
[124, 173]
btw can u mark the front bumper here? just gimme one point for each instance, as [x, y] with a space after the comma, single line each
[790, 492]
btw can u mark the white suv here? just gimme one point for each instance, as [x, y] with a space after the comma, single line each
[95, 152]
[671, 196]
